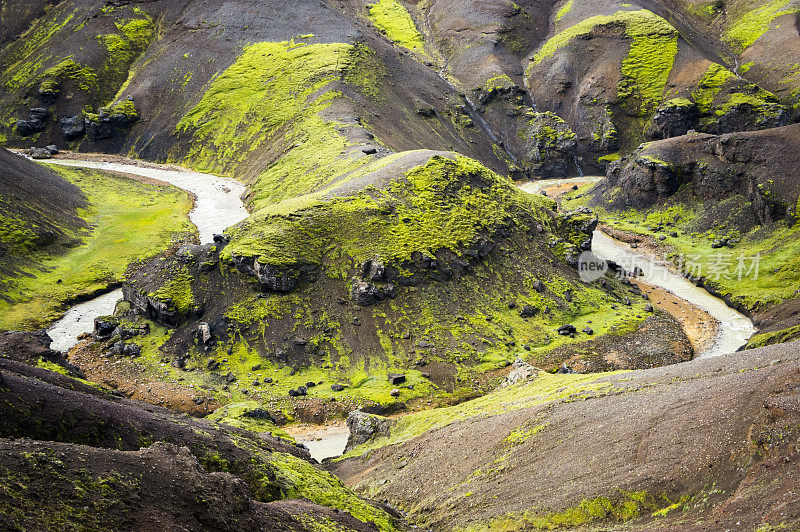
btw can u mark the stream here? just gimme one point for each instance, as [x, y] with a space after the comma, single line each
[217, 206]
[735, 329]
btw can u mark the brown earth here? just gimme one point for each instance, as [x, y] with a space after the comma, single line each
[131, 380]
[722, 431]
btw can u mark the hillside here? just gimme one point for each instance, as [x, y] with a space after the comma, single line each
[597, 452]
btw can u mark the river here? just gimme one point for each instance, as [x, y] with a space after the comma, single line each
[735, 329]
[217, 206]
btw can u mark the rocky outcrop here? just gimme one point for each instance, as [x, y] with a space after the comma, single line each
[755, 165]
[86, 435]
[550, 145]
[365, 427]
[521, 371]
[275, 278]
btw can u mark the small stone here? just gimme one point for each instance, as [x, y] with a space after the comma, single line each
[395, 393]
[337, 387]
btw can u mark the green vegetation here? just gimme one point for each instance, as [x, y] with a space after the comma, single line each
[177, 291]
[646, 69]
[323, 488]
[710, 85]
[620, 508]
[129, 221]
[273, 91]
[749, 26]
[395, 22]
[776, 337]
[132, 38]
[365, 71]
[770, 279]
[546, 388]
[67, 68]
[84, 499]
[649, 63]
[234, 414]
[638, 24]
[444, 204]
[564, 10]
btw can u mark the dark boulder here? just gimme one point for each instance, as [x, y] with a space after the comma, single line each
[365, 294]
[40, 153]
[364, 427]
[396, 378]
[26, 128]
[73, 127]
[337, 387]
[674, 118]
[528, 311]
[566, 330]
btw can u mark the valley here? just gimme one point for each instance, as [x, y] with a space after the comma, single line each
[388, 265]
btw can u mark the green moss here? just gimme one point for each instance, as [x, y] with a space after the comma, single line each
[307, 482]
[620, 508]
[649, 63]
[610, 158]
[272, 91]
[710, 85]
[132, 38]
[641, 23]
[234, 415]
[395, 22]
[24, 55]
[83, 502]
[762, 102]
[443, 204]
[365, 71]
[84, 77]
[521, 435]
[18, 235]
[214, 462]
[129, 221]
[177, 291]
[775, 337]
[748, 26]
[564, 10]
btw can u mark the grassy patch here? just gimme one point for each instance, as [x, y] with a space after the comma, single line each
[323, 488]
[777, 248]
[129, 221]
[750, 25]
[394, 21]
[545, 389]
[620, 508]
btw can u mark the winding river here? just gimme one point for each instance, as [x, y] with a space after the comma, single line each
[735, 329]
[217, 206]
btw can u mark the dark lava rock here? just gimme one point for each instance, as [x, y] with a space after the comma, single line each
[588, 330]
[396, 378]
[565, 369]
[40, 153]
[566, 330]
[364, 427]
[337, 387]
[131, 350]
[310, 384]
[528, 311]
[104, 326]
[73, 127]
[230, 378]
[364, 294]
